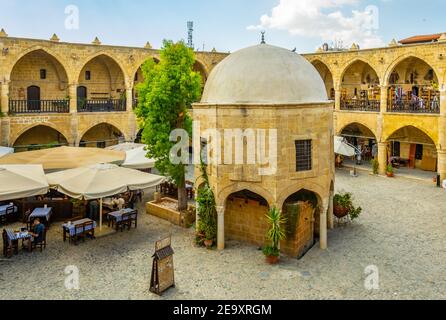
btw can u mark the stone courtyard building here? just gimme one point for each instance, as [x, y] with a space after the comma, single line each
[262, 89]
[53, 92]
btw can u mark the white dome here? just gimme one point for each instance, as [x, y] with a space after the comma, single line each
[264, 74]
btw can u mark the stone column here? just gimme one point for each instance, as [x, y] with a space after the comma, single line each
[323, 225]
[129, 99]
[221, 228]
[442, 137]
[337, 99]
[382, 157]
[384, 99]
[4, 99]
[72, 92]
[330, 212]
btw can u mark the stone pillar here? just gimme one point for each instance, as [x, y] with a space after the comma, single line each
[4, 98]
[338, 99]
[72, 92]
[384, 99]
[330, 212]
[442, 137]
[382, 157]
[129, 99]
[221, 228]
[323, 225]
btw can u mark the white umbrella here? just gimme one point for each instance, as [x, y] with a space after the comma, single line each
[100, 181]
[343, 148]
[125, 146]
[136, 159]
[5, 151]
[21, 181]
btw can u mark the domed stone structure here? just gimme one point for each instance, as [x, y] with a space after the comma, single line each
[267, 125]
[264, 74]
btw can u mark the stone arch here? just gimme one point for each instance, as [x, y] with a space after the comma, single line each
[320, 191]
[38, 137]
[244, 218]
[112, 138]
[223, 194]
[122, 70]
[55, 84]
[361, 124]
[401, 59]
[200, 67]
[416, 128]
[140, 62]
[54, 55]
[326, 75]
[367, 62]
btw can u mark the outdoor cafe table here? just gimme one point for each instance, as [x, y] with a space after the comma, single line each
[70, 229]
[4, 207]
[14, 237]
[116, 217]
[41, 213]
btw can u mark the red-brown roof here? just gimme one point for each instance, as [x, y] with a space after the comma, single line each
[421, 39]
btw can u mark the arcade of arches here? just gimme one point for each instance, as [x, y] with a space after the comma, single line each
[65, 86]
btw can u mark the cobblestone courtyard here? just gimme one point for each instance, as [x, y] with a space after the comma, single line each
[401, 231]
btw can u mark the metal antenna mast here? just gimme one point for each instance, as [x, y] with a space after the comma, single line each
[190, 36]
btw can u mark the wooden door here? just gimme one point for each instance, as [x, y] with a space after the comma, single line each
[33, 98]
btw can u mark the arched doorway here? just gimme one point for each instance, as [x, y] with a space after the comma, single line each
[39, 83]
[360, 88]
[104, 83]
[327, 76]
[413, 87]
[301, 211]
[39, 137]
[364, 140]
[198, 67]
[101, 136]
[245, 217]
[412, 148]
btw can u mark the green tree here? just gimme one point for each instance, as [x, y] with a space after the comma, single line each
[167, 93]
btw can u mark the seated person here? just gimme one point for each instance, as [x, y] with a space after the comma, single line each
[38, 230]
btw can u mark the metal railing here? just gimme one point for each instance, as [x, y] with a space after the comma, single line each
[102, 105]
[361, 105]
[414, 106]
[39, 106]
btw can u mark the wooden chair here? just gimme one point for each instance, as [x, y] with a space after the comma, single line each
[40, 244]
[134, 218]
[88, 230]
[9, 247]
[78, 233]
[25, 219]
[126, 221]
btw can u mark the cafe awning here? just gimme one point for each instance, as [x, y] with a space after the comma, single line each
[343, 148]
[127, 146]
[22, 181]
[5, 151]
[136, 159]
[65, 157]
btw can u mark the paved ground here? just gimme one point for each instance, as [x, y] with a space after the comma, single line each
[402, 232]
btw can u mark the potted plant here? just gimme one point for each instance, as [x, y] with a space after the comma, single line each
[389, 171]
[275, 234]
[375, 166]
[343, 206]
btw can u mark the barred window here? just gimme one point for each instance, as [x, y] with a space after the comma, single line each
[303, 155]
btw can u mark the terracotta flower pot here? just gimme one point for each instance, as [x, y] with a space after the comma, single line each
[272, 259]
[390, 174]
[340, 212]
[208, 243]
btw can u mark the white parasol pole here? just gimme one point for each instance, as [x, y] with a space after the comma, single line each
[100, 214]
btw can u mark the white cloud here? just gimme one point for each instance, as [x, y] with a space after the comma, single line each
[324, 19]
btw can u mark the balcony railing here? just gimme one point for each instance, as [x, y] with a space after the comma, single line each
[39, 106]
[414, 106]
[106, 105]
[360, 105]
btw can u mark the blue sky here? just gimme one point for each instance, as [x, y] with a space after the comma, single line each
[227, 25]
